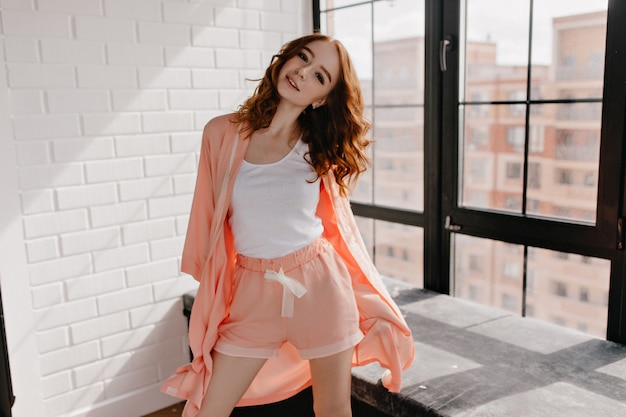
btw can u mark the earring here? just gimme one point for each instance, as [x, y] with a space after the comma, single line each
[313, 106]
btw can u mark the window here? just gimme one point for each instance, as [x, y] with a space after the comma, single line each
[478, 111]
[478, 169]
[474, 293]
[565, 138]
[534, 175]
[596, 61]
[562, 212]
[515, 138]
[518, 109]
[512, 202]
[530, 282]
[475, 263]
[589, 179]
[483, 128]
[536, 138]
[514, 170]
[561, 255]
[564, 177]
[533, 205]
[568, 61]
[478, 137]
[584, 295]
[511, 270]
[510, 302]
[559, 288]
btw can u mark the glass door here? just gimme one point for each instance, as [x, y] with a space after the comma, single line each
[529, 211]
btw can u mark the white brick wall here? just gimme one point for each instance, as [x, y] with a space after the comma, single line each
[102, 104]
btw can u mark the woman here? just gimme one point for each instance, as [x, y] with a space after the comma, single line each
[288, 297]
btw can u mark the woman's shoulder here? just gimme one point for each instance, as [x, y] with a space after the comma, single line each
[221, 123]
[219, 129]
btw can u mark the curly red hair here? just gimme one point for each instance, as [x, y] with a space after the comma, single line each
[335, 132]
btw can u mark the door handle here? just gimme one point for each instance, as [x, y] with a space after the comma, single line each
[444, 45]
[451, 226]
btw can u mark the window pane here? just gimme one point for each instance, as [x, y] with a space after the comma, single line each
[569, 290]
[568, 48]
[398, 19]
[396, 106]
[566, 289]
[399, 157]
[488, 272]
[564, 161]
[366, 228]
[496, 45]
[397, 250]
[399, 72]
[357, 39]
[364, 190]
[399, 52]
[492, 158]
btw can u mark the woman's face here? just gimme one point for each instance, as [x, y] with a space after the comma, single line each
[309, 76]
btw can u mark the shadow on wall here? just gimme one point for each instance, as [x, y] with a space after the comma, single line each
[108, 102]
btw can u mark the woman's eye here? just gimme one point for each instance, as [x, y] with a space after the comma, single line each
[320, 78]
[303, 57]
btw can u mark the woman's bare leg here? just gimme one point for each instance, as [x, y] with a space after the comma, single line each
[332, 379]
[230, 378]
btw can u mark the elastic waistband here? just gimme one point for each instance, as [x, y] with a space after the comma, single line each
[287, 262]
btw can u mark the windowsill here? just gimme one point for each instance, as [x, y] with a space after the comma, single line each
[473, 360]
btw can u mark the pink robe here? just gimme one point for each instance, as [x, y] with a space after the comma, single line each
[209, 256]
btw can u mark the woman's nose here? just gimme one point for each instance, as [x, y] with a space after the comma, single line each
[302, 72]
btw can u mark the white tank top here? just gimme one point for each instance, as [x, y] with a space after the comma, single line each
[272, 210]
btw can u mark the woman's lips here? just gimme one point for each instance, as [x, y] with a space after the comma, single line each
[293, 84]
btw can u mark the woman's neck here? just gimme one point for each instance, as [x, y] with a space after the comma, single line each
[284, 125]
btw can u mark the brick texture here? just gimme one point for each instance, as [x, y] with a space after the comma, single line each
[107, 100]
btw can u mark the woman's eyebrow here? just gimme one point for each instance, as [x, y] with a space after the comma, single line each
[306, 48]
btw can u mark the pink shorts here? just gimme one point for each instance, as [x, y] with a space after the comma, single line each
[304, 298]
